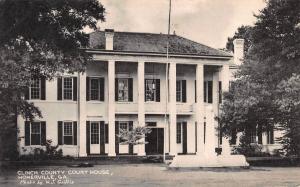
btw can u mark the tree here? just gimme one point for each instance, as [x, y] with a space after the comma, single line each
[259, 93]
[134, 136]
[40, 39]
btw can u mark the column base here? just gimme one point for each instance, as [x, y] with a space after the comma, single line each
[82, 155]
[111, 154]
[141, 154]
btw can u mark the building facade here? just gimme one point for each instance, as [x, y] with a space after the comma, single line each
[131, 83]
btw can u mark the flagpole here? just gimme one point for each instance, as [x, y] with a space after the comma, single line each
[167, 86]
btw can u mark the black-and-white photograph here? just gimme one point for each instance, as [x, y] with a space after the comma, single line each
[139, 93]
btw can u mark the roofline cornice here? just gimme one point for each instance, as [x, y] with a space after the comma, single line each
[114, 52]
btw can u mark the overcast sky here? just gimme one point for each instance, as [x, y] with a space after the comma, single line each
[206, 21]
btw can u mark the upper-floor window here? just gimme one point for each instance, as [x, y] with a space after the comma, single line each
[94, 89]
[152, 90]
[124, 89]
[181, 90]
[35, 89]
[67, 88]
[208, 91]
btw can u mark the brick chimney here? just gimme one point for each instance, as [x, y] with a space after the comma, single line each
[109, 39]
[238, 51]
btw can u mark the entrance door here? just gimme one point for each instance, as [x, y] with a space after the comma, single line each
[155, 141]
[95, 138]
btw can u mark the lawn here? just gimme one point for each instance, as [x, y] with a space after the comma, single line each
[151, 175]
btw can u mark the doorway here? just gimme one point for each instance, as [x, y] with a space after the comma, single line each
[155, 141]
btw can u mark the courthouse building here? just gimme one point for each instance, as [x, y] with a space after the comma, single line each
[130, 82]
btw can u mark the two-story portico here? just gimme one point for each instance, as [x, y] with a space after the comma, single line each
[131, 82]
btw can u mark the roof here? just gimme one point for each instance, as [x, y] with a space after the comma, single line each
[153, 43]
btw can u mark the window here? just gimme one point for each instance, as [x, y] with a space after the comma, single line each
[181, 91]
[150, 90]
[35, 133]
[94, 133]
[151, 124]
[35, 89]
[252, 136]
[68, 133]
[178, 91]
[123, 126]
[178, 133]
[208, 91]
[94, 89]
[270, 136]
[122, 89]
[67, 88]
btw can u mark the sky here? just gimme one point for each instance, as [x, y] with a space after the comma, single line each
[209, 22]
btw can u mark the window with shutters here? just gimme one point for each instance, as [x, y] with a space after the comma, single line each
[35, 133]
[178, 91]
[35, 89]
[123, 90]
[68, 133]
[95, 89]
[95, 133]
[68, 88]
[208, 91]
[270, 136]
[123, 126]
[150, 92]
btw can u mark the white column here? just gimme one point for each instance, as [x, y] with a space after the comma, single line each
[172, 108]
[82, 114]
[200, 108]
[111, 108]
[141, 103]
[226, 150]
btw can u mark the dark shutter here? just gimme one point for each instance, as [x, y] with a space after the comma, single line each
[204, 133]
[27, 133]
[130, 89]
[59, 132]
[74, 88]
[27, 90]
[106, 133]
[102, 89]
[75, 132]
[87, 88]
[145, 90]
[102, 138]
[195, 91]
[210, 91]
[157, 90]
[88, 137]
[43, 133]
[178, 132]
[130, 146]
[184, 137]
[220, 91]
[205, 91]
[59, 88]
[259, 134]
[43, 88]
[183, 82]
[117, 139]
[116, 89]
[196, 137]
